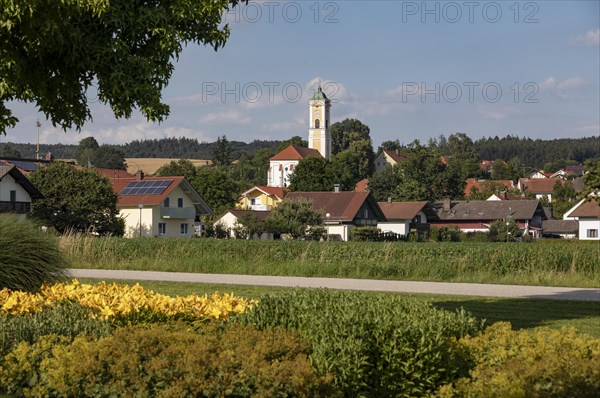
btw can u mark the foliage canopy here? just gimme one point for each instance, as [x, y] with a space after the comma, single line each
[58, 54]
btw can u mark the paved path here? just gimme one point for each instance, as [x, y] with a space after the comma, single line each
[462, 289]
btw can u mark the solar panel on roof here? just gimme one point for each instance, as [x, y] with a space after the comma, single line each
[148, 187]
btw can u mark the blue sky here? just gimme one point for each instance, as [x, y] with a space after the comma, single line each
[408, 69]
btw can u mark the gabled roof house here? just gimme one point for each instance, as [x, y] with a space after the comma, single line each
[477, 215]
[341, 211]
[389, 157]
[403, 216]
[540, 187]
[158, 206]
[261, 198]
[16, 191]
[588, 215]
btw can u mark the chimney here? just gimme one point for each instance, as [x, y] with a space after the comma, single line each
[49, 156]
[139, 175]
[447, 203]
[503, 195]
[397, 153]
[389, 200]
[336, 188]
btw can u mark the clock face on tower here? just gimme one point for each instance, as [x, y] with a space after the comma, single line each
[317, 112]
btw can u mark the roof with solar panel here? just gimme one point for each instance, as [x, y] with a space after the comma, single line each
[146, 187]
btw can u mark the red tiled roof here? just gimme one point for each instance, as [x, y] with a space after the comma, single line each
[587, 209]
[114, 173]
[341, 206]
[475, 183]
[361, 186]
[540, 185]
[294, 152]
[401, 210]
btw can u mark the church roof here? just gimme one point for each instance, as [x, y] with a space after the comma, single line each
[294, 152]
[319, 95]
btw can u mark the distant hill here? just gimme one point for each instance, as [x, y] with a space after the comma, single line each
[534, 153]
[178, 148]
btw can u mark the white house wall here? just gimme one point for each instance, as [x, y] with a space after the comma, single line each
[586, 224]
[8, 184]
[399, 227]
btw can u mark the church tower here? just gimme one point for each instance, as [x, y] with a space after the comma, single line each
[319, 137]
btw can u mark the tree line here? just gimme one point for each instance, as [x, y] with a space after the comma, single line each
[538, 153]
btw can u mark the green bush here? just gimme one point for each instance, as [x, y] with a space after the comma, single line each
[68, 319]
[528, 363]
[365, 234]
[374, 345]
[169, 361]
[446, 234]
[28, 256]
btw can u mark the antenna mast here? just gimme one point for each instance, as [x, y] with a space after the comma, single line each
[37, 148]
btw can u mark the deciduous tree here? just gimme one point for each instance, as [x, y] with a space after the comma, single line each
[78, 199]
[57, 54]
[293, 217]
[181, 167]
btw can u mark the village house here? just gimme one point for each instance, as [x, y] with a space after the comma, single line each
[478, 185]
[343, 210]
[16, 191]
[389, 158]
[157, 206]
[540, 187]
[261, 198]
[403, 217]
[477, 215]
[587, 213]
[233, 218]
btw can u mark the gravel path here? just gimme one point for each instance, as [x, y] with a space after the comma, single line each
[462, 289]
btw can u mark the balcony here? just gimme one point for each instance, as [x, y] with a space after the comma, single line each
[178, 212]
[260, 207]
[15, 207]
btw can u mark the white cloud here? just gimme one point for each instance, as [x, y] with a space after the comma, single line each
[230, 116]
[498, 112]
[565, 89]
[284, 126]
[591, 38]
[590, 128]
[121, 134]
[570, 83]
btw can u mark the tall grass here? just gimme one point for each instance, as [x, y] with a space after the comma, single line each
[28, 256]
[561, 263]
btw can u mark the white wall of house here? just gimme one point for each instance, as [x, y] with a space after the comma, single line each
[8, 184]
[400, 227]
[341, 230]
[589, 228]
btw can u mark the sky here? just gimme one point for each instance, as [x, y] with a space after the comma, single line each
[407, 69]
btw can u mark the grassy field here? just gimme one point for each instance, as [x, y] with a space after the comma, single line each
[549, 263]
[522, 313]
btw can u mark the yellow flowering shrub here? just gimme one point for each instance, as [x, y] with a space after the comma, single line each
[542, 362]
[117, 301]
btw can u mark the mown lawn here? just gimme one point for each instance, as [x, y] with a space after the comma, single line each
[522, 313]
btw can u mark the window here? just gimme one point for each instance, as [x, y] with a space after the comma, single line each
[365, 213]
[418, 219]
[253, 201]
[162, 228]
[13, 196]
[184, 229]
[592, 233]
[179, 202]
[317, 123]
[166, 202]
